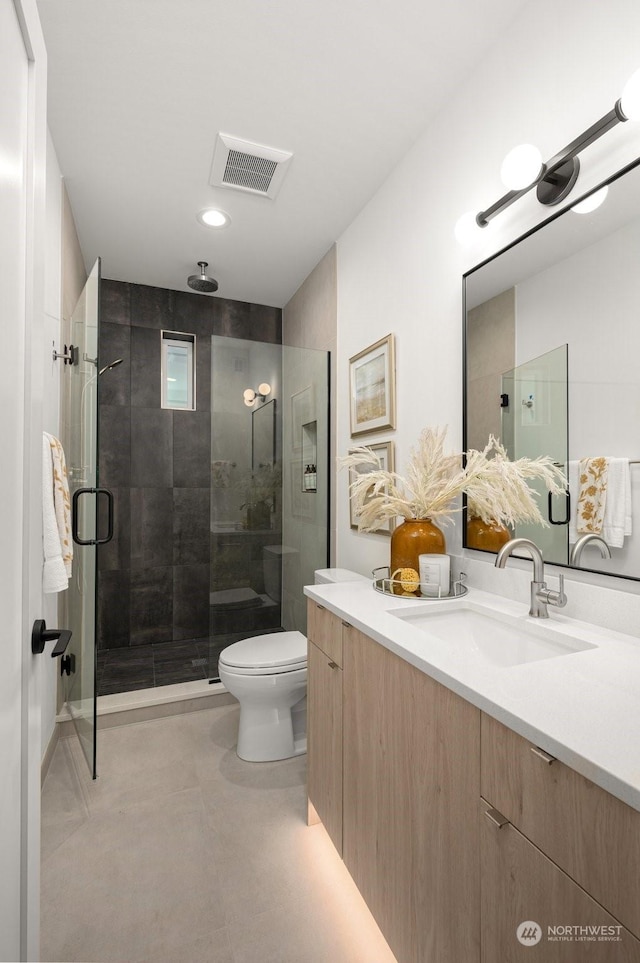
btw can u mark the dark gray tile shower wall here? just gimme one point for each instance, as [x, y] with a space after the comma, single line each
[154, 577]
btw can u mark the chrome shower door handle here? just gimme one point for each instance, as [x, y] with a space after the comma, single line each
[75, 515]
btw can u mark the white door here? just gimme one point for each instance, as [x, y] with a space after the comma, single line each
[22, 179]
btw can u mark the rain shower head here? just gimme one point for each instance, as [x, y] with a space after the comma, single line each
[202, 282]
[108, 367]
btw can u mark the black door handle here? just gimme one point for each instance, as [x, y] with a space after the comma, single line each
[75, 516]
[41, 634]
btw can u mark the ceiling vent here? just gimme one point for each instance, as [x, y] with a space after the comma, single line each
[243, 166]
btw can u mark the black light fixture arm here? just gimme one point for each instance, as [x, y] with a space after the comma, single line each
[558, 175]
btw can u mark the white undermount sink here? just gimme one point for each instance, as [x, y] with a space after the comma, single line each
[488, 636]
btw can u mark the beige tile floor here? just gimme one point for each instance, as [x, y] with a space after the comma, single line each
[181, 852]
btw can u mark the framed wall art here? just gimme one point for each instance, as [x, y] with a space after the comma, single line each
[372, 387]
[384, 452]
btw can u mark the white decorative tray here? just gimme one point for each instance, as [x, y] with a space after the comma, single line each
[382, 582]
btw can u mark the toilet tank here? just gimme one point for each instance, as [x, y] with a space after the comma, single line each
[324, 575]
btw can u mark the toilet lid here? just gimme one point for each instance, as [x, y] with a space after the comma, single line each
[266, 651]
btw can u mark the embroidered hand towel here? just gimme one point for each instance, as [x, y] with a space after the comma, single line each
[62, 502]
[54, 576]
[592, 495]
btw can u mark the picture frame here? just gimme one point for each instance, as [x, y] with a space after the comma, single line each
[385, 452]
[372, 387]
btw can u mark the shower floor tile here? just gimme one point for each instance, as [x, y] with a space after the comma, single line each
[163, 663]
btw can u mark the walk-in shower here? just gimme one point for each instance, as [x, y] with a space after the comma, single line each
[216, 525]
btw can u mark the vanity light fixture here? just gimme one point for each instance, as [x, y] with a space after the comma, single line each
[214, 217]
[251, 396]
[522, 168]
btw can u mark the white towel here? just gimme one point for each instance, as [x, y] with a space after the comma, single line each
[54, 575]
[617, 513]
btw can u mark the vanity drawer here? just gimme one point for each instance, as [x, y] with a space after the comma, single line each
[324, 629]
[591, 835]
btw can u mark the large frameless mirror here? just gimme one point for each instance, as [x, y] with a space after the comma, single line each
[551, 349]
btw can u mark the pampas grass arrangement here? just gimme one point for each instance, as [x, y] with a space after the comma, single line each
[497, 488]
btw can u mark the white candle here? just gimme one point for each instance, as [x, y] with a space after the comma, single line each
[434, 574]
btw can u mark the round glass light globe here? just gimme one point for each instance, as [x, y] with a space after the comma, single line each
[592, 202]
[264, 388]
[249, 396]
[466, 228]
[521, 167]
[630, 100]
[214, 218]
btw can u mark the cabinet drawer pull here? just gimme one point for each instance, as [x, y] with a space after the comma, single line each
[541, 754]
[334, 665]
[347, 625]
[318, 606]
[496, 818]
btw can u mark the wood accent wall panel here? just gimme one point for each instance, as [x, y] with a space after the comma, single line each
[589, 833]
[411, 788]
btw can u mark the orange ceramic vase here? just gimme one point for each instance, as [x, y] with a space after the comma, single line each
[414, 537]
[486, 536]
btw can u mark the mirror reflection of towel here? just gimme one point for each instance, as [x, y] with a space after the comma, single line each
[617, 519]
[592, 495]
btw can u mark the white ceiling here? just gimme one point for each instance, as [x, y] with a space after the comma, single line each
[139, 89]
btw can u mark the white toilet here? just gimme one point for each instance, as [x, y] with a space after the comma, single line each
[268, 676]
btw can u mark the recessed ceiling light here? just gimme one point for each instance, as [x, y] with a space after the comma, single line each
[213, 217]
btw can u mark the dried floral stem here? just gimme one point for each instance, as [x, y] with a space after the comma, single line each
[496, 487]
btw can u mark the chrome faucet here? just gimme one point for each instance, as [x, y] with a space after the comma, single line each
[581, 544]
[541, 596]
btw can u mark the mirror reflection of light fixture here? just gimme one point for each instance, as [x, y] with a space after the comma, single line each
[523, 169]
[250, 396]
[592, 202]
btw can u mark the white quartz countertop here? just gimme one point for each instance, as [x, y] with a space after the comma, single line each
[583, 708]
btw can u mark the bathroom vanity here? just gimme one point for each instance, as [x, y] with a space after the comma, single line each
[470, 790]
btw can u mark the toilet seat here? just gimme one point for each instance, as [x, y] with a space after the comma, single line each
[270, 654]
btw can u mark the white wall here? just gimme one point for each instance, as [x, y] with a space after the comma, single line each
[51, 401]
[399, 265]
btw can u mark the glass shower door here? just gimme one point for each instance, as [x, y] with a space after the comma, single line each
[270, 476]
[80, 684]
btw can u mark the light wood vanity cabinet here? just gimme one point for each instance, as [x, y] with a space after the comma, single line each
[411, 783]
[520, 884]
[397, 766]
[324, 720]
[579, 862]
